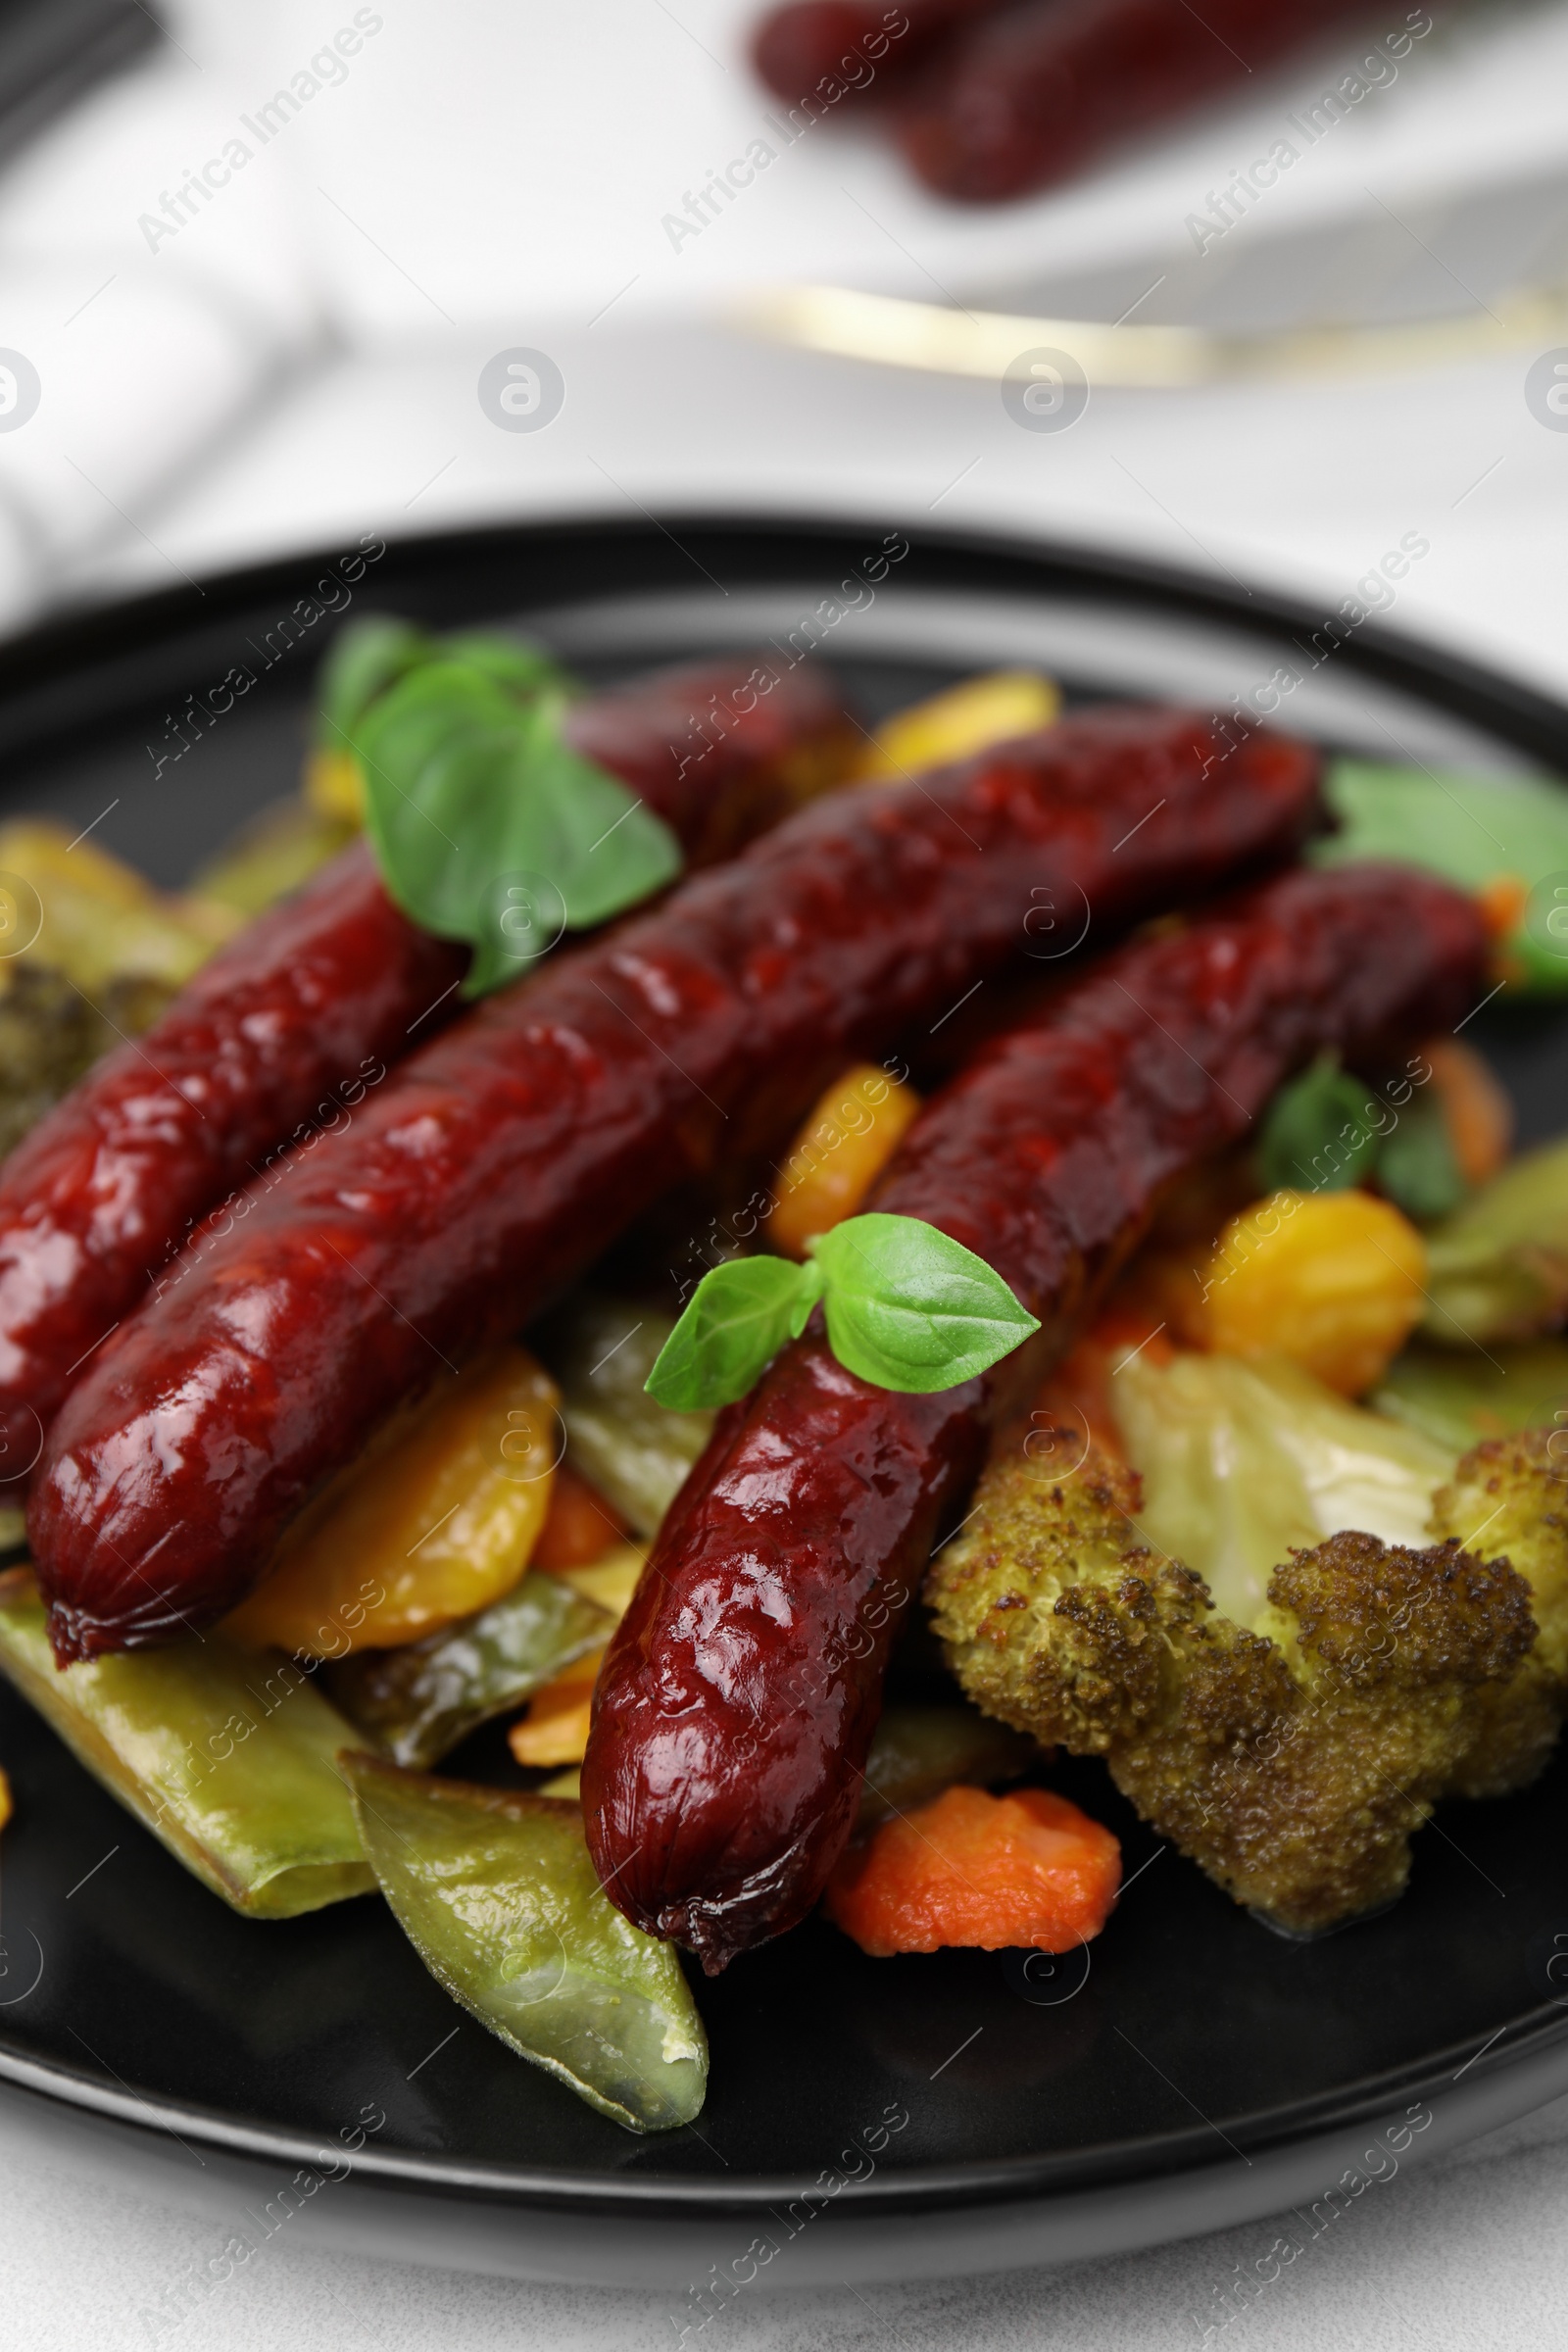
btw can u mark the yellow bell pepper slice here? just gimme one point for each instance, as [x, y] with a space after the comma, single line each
[954, 726]
[1334, 1281]
[435, 1521]
[838, 1153]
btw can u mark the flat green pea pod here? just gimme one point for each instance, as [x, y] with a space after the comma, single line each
[1458, 1398]
[635, 1450]
[228, 1755]
[419, 1701]
[1498, 1268]
[918, 1751]
[496, 1892]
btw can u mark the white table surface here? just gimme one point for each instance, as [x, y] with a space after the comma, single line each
[299, 365]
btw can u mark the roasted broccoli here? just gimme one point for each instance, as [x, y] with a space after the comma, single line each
[1291, 1759]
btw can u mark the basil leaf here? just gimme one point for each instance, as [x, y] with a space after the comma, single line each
[368, 655]
[515, 662]
[736, 1321]
[1417, 1167]
[1317, 1134]
[488, 827]
[907, 1307]
[364, 657]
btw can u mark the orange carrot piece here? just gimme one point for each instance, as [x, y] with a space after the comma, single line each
[555, 1729]
[1475, 1108]
[579, 1527]
[1025, 1868]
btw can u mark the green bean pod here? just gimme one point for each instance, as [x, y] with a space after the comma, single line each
[496, 1892]
[418, 1703]
[226, 1754]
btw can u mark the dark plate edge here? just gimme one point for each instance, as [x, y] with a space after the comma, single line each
[35, 667]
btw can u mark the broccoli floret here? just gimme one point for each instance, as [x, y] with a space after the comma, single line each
[1293, 1762]
[1513, 1494]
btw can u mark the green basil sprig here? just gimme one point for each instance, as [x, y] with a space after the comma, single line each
[368, 655]
[905, 1307]
[488, 827]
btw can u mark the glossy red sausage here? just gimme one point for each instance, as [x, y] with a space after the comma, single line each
[1029, 97]
[736, 1706]
[501, 1159]
[281, 1034]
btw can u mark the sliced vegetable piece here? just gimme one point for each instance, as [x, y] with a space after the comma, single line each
[1476, 1107]
[918, 1751]
[1332, 1280]
[419, 1701]
[1498, 836]
[1243, 1462]
[633, 1449]
[435, 1521]
[554, 1730]
[497, 1895]
[580, 1526]
[610, 1582]
[838, 1153]
[974, 1869]
[227, 1757]
[1499, 1267]
[965, 719]
[96, 919]
[1456, 1397]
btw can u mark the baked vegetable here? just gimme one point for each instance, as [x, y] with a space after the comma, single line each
[1241, 1463]
[1460, 1395]
[1001, 1872]
[496, 1892]
[1335, 1281]
[844, 1143]
[434, 1521]
[736, 1706]
[1499, 1267]
[418, 1703]
[227, 1756]
[965, 719]
[495, 1163]
[1293, 1756]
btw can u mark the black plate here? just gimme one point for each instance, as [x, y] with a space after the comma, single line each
[1203, 2069]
